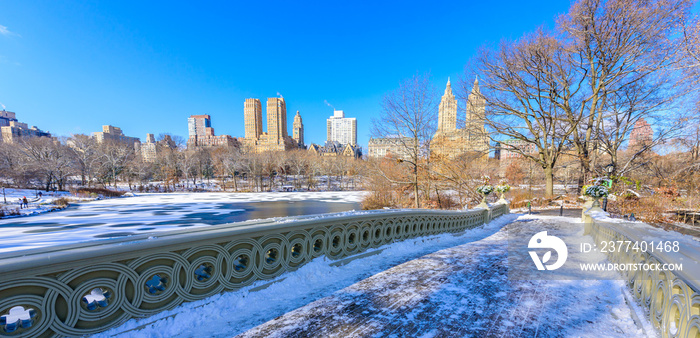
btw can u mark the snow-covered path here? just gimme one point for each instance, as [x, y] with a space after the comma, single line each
[463, 291]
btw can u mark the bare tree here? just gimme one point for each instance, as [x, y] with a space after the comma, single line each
[9, 164]
[299, 166]
[172, 141]
[253, 166]
[528, 90]
[618, 48]
[627, 109]
[690, 138]
[313, 170]
[691, 35]
[227, 163]
[409, 114]
[114, 158]
[168, 164]
[687, 165]
[190, 163]
[461, 175]
[48, 157]
[87, 155]
[138, 172]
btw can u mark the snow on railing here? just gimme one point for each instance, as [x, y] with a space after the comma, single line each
[85, 288]
[670, 298]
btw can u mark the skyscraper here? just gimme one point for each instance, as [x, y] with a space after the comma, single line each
[298, 130]
[202, 134]
[450, 142]
[641, 135]
[341, 129]
[447, 115]
[253, 118]
[276, 120]
[197, 125]
[476, 136]
[149, 150]
[276, 138]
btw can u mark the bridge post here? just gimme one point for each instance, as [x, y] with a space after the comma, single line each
[586, 206]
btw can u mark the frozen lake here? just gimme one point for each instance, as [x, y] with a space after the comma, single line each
[150, 213]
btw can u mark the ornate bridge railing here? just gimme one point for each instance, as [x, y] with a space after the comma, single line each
[85, 288]
[670, 298]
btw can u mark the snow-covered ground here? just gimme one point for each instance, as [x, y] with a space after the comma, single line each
[10, 201]
[147, 213]
[462, 288]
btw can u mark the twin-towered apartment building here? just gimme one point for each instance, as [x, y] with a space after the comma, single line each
[449, 142]
[276, 138]
[341, 131]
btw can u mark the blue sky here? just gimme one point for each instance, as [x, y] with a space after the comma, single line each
[145, 66]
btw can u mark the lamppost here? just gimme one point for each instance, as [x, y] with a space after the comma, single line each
[566, 179]
[566, 190]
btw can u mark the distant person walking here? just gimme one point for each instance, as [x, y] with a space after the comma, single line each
[26, 203]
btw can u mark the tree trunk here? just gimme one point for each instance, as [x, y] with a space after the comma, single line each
[437, 194]
[549, 186]
[415, 187]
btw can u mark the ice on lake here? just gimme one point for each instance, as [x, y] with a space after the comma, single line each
[151, 213]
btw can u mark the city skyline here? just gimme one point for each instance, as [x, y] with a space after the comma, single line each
[471, 149]
[122, 66]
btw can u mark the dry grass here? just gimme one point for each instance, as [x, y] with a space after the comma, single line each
[520, 197]
[443, 202]
[62, 202]
[381, 199]
[651, 209]
[8, 212]
[93, 192]
[377, 200]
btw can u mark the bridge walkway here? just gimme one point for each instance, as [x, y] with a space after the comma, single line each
[465, 291]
